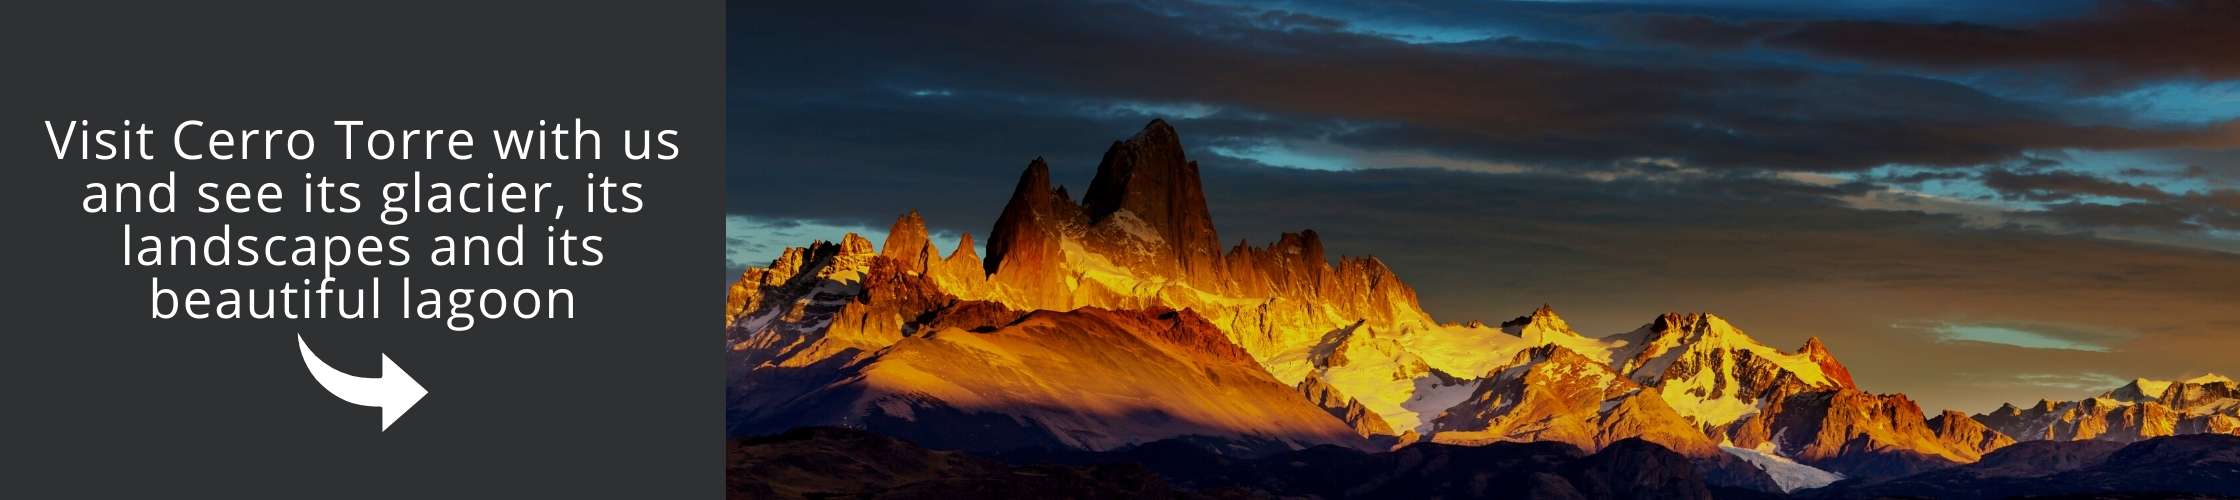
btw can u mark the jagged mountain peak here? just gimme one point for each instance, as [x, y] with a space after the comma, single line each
[2140, 409]
[1713, 372]
[2138, 390]
[1024, 247]
[1147, 298]
[1693, 326]
[1142, 235]
[1156, 131]
[964, 247]
[1706, 329]
[1818, 353]
[1150, 178]
[1966, 436]
[1812, 345]
[2210, 378]
[1541, 326]
[854, 244]
[907, 243]
[1550, 354]
[1302, 248]
[1144, 214]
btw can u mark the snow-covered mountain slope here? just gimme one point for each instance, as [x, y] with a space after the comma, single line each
[1351, 411]
[2138, 410]
[1711, 371]
[1550, 393]
[977, 375]
[1546, 394]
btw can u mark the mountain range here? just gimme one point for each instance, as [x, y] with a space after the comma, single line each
[1117, 320]
[830, 462]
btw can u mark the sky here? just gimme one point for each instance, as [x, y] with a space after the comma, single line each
[1969, 202]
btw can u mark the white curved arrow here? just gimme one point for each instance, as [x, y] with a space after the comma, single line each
[394, 391]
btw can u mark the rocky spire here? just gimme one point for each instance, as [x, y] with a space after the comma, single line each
[1542, 326]
[1966, 436]
[965, 250]
[1812, 346]
[1321, 393]
[1025, 248]
[2210, 378]
[1143, 224]
[1147, 178]
[906, 243]
[960, 273]
[852, 244]
[1016, 227]
[1819, 354]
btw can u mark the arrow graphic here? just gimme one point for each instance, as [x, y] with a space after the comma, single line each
[394, 391]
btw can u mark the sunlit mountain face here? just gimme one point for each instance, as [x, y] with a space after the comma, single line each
[2013, 225]
[1115, 321]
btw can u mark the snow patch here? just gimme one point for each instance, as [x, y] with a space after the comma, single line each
[1432, 398]
[1787, 474]
[896, 408]
[1145, 237]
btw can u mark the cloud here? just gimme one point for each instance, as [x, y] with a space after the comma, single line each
[2032, 336]
[1916, 178]
[2071, 201]
[2080, 381]
[2139, 215]
[1502, 100]
[2064, 185]
[2119, 46]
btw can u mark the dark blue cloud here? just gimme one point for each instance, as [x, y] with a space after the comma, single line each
[2117, 46]
[1546, 102]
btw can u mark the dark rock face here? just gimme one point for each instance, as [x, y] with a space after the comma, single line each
[2200, 463]
[1959, 432]
[2167, 467]
[1628, 469]
[907, 244]
[1147, 177]
[1145, 211]
[832, 463]
[1024, 249]
[1730, 477]
[1634, 468]
[2041, 457]
[1144, 216]
[1363, 421]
